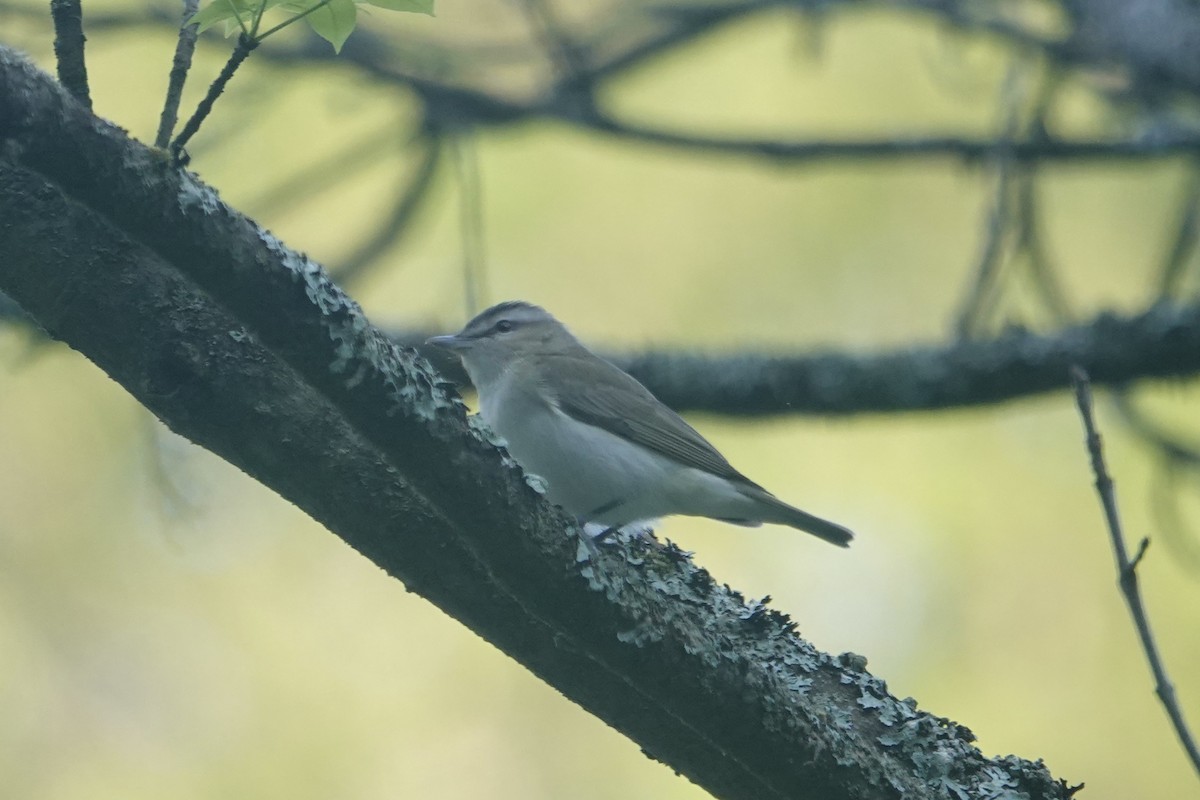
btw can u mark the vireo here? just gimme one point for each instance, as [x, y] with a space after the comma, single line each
[608, 450]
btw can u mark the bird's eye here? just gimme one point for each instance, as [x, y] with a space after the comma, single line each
[504, 326]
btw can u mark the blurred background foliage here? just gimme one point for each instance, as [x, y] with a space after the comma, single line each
[168, 628]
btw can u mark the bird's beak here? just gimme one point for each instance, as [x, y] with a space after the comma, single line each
[450, 342]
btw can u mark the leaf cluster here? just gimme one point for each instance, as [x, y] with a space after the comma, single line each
[332, 20]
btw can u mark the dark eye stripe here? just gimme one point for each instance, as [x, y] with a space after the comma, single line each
[499, 326]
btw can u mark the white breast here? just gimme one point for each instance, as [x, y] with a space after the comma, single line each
[596, 475]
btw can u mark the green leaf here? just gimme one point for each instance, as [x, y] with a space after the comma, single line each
[414, 6]
[221, 11]
[334, 22]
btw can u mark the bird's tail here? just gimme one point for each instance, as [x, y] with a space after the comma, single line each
[778, 512]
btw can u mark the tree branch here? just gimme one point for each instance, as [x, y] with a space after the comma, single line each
[452, 106]
[1163, 342]
[247, 348]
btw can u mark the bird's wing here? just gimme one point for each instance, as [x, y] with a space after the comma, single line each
[600, 394]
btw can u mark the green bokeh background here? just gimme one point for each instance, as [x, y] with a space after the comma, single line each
[170, 629]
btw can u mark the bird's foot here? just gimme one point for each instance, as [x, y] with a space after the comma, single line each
[605, 535]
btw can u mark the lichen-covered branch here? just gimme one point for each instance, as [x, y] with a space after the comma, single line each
[248, 348]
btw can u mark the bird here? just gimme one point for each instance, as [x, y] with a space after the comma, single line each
[607, 449]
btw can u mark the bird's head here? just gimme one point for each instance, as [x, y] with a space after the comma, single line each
[503, 335]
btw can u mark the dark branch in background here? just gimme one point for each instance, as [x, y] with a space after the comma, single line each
[457, 104]
[180, 65]
[1032, 244]
[905, 147]
[248, 348]
[1014, 220]
[1127, 568]
[320, 174]
[631, 37]
[570, 59]
[398, 220]
[1177, 459]
[1183, 243]
[980, 294]
[617, 42]
[68, 48]
[450, 106]
[1163, 342]
[1156, 41]
[470, 204]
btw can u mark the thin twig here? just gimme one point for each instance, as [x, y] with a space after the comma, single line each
[457, 105]
[245, 46]
[1183, 245]
[1029, 236]
[399, 218]
[1127, 568]
[891, 148]
[1031, 243]
[1177, 458]
[318, 174]
[981, 294]
[470, 196]
[68, 48]
[180, 65]
[560, 46]
[286, 22]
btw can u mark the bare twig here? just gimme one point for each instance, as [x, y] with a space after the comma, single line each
[1127, 568]
[1014, 217]
[179, 70]
[1032, 245]
[1169, 444]
[901, 147]
[1183, 244]
[1166, 505]
[559, 45]
[470, 195]
[245, 46]
[398, 220]
[68, 48]
[982, 291]
[1177, 459]
[318, 174]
